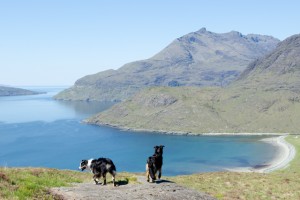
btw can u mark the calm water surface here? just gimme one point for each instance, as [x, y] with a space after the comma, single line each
[40, 132]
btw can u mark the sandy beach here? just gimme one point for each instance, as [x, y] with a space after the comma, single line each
[286, 153]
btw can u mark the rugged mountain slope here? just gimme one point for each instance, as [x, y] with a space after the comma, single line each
[199, 58]
[278, 70]
[10, 91]
[266, 98]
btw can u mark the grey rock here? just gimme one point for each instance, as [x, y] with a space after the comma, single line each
[156, 100]
[163, 190]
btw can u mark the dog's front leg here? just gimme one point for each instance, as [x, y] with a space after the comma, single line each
[153, 180]
[95, 179]
[159, 173]
[147, 173]
[104, 179]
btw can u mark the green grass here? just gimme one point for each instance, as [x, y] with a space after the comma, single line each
[281, 184]
[34, 183]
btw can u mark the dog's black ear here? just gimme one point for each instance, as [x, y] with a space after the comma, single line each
[162, 146]
[155, 147]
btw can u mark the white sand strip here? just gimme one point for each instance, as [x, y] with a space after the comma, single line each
[286, 153]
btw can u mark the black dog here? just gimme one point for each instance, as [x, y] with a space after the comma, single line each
[100, 167]
[154, 163]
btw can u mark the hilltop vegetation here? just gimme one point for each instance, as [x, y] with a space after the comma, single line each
[200, 58]
[266, 98]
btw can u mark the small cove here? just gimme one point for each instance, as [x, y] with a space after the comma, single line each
[36, 131]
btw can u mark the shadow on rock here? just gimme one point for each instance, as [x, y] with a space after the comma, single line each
[162, 181]
[122, 182]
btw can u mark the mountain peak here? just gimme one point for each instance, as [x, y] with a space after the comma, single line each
[236, 33]
[202, 30]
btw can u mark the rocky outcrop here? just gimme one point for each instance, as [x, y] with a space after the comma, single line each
[154, 100]
[143, 190]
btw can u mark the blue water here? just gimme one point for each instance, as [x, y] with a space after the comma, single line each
[37, 131]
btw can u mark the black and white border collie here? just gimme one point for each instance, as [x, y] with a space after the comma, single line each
[154, 163]
[100, 167]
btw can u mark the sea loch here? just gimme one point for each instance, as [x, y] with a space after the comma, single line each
[37, 131]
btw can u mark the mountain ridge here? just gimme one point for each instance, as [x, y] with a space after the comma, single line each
[200, 58]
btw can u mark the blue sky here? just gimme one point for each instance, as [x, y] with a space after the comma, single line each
[55, 42]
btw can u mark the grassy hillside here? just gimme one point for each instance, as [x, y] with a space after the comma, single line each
[283, 184]
[206, 110]
[34, 183]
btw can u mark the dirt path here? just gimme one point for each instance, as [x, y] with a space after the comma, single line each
[143, 190]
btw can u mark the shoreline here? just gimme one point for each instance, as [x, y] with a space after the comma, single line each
[286, 153]
[183, 133]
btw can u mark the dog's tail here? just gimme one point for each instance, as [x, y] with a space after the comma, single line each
[111, 166]
[114, 169]
[151, 167]
[113, 172]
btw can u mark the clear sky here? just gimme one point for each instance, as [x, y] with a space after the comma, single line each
[55, 42]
